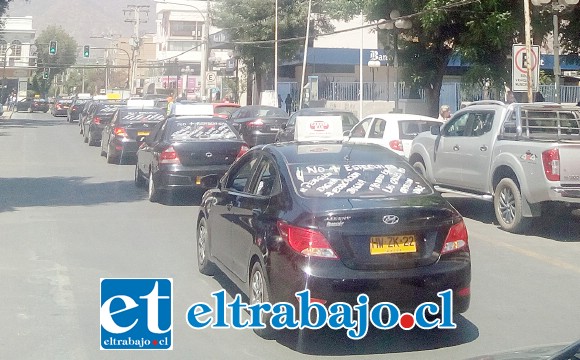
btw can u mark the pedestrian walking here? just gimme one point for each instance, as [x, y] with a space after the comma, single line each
[288, 102]
[279, 101]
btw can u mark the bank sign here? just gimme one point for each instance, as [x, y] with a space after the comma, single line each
[519, 68]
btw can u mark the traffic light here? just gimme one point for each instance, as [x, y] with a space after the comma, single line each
[52, 48]
[87, 51]
[45, 74]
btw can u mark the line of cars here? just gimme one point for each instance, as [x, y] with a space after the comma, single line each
[335, 217]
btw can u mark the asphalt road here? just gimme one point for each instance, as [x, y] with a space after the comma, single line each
[68, 219]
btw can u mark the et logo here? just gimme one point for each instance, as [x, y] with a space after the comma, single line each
[136, 314]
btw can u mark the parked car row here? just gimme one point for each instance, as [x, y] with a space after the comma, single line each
[338, 218]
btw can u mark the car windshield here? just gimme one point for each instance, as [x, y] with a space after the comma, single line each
[225, 109]
[195, 130]
[267, 111]
[356, 180]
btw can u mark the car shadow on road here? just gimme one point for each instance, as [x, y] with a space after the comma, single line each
[474, 209]
[63, 191]
[183, 197]
[328, 342]
[30, 123]
[562, 226]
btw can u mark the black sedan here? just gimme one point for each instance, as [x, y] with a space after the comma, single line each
[75, 109]
[337, 219]
[32, 105]
[181, 151]
[126, 132]
[286, 132]
[61, 106]
[258, 124]
[96, 120]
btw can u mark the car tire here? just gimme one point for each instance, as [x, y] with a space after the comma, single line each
[508, 206]
[153, 191]
[204, 265]
[420, 167]
[139, 180]
[259, 293]
[91, 141]
[86, 139]
[111, 159]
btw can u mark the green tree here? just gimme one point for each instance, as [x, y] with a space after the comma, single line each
[65, 57]
[481, 32]
[250, 21]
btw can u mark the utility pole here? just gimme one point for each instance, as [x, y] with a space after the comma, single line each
[137, 15]
[205, 55]
[528, 39]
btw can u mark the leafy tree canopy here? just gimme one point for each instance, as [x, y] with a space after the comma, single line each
[66, 55]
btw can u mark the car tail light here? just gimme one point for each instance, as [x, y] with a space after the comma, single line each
[396, 145]
[551, 160]
[456, 238]
[306, 241]
[119, 131]
[255, 123]
[244, 149]
[97, 120]
[169, 156]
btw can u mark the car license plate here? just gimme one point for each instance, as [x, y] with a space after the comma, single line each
[380, 245]
[274, 129]
[142, 133]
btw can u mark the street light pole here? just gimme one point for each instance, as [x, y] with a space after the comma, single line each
[395, 25]
[557, 6]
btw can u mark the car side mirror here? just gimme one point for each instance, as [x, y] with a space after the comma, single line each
[210, 181]
[435, 130]
[284, 126]
[346, 133]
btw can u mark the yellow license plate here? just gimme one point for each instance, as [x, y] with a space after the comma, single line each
[142, 133]
[380, 245]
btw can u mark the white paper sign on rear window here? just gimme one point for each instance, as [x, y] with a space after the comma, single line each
[194, 110]
[318, 128]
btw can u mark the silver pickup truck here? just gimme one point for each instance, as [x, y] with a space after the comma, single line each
[523, 157]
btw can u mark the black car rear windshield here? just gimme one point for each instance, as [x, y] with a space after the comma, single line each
[225, 109]
[357, 180]
[127, 117]
[194, 130]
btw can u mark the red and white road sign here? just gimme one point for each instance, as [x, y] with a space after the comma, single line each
[519, 68]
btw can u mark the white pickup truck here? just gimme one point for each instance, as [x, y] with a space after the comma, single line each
[523, 157]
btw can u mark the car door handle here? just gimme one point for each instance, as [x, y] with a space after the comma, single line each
[456, 148]
[483, 148]
[230, 206]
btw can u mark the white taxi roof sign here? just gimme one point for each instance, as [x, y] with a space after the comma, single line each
[193, 110]
[140, 103]
[84, 96]
[318, 128]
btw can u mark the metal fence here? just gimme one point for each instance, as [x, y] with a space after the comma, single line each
[568, 94]
[349, 91]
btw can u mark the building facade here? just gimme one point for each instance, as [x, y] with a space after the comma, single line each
[17, 53]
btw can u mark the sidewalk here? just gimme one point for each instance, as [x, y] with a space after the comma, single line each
[7, 114]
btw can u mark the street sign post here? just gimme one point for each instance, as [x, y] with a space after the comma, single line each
[211, 78]
[519, 68]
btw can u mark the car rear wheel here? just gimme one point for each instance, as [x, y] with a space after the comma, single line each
[508, 204]
[420, 167]
[204, 265]
[91, 140]
[259, 293]
[111, 159]
[153, 192]
[139, 180]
